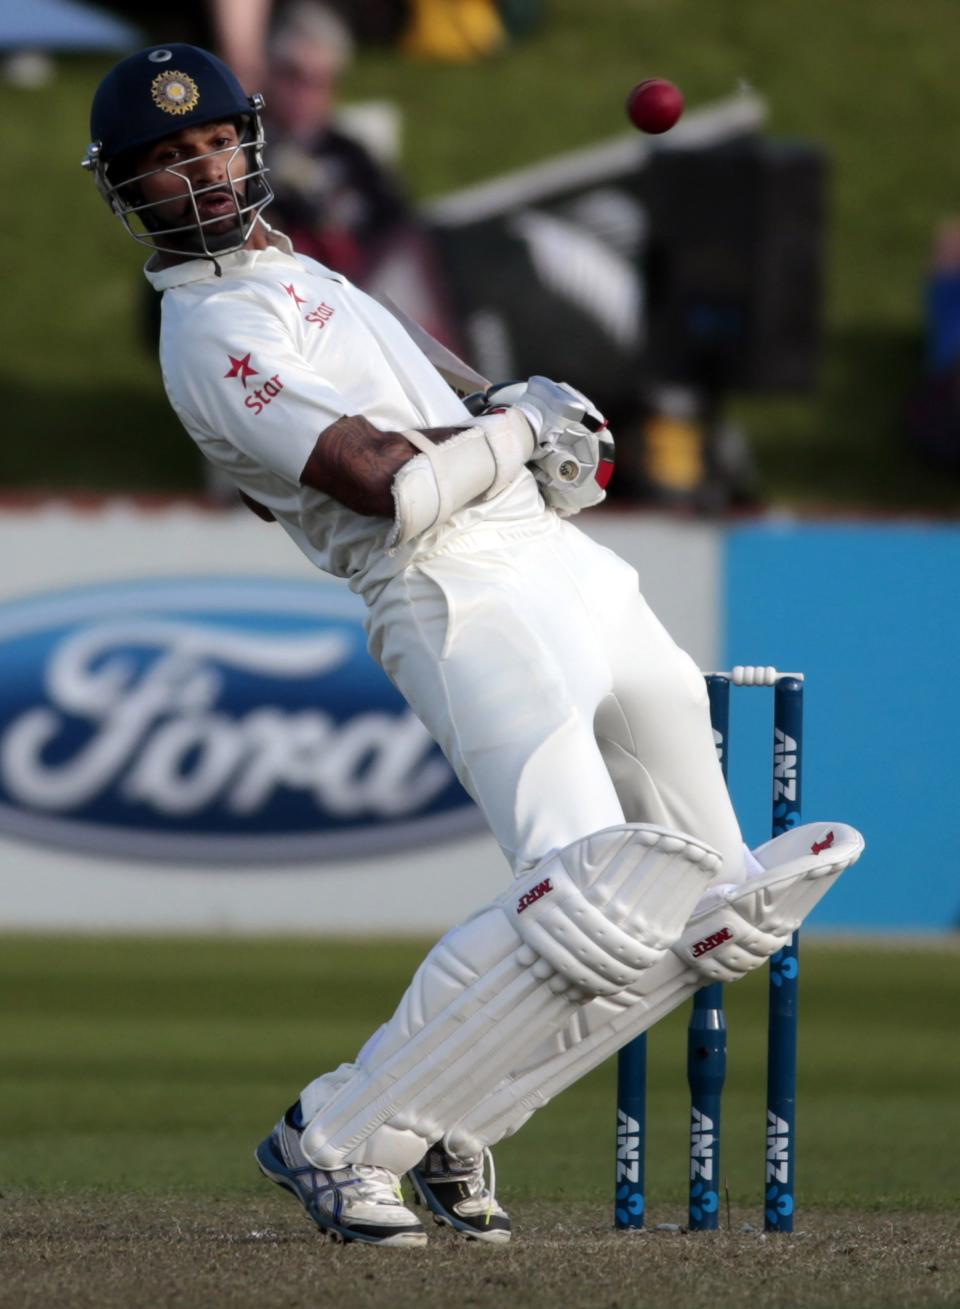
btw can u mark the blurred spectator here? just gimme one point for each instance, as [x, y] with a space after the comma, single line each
[461, 31]
[238, 28]
[933, 419]
[335, 201]
[240, 35]
[457, 31]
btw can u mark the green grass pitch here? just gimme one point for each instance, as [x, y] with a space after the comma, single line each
[163, 1062]
[136, 1076]
[139, 1074]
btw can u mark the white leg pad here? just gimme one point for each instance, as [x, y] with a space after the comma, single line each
[587, 921]
[732, 930]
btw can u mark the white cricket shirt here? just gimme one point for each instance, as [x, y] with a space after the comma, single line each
[260, 360]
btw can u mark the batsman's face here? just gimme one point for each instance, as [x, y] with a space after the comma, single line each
[204, 159]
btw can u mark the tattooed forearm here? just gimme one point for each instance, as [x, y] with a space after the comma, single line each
[355, 463]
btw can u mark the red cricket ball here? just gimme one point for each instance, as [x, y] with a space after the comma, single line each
[654, 105]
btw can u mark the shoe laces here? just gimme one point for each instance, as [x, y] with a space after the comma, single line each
[491, 1187]
[474, 1167]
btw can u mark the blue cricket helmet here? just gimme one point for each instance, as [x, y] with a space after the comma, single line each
[160, 90]
[154, 94]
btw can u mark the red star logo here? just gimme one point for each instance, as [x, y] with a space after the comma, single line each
[241, 368]
[291, 290]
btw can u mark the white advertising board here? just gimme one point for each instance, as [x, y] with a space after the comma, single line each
[193, 739]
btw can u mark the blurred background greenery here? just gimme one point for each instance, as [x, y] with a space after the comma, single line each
[873, 81]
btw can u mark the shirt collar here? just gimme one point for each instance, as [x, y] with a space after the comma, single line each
[198, 269]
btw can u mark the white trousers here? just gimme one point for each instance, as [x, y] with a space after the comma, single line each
[565, 709]
[558, 697]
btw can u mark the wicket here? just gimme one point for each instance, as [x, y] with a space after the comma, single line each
[707, 1031]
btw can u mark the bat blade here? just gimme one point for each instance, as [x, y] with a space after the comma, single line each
[458, 375]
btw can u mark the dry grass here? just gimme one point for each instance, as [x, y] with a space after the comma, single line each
[261, 1251]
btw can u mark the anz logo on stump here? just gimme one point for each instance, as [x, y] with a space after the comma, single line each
[218, 720]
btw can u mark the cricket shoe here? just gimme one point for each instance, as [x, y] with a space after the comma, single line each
[456, 1192]
[357, 1203]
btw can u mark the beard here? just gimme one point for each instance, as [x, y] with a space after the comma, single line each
[211, 234]
[214, 238]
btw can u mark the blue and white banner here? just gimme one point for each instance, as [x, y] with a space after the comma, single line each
[220, 719]
[193, 738]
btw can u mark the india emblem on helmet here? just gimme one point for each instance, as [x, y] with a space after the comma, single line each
[175, 93]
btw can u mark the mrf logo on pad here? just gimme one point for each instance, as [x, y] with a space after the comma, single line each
[711, 942]
[534, 894]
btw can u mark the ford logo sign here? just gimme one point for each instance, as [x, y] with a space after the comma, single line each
[222, 719]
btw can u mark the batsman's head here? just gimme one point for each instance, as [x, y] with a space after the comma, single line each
[177, 151]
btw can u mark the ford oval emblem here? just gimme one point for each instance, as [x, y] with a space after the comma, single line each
[220, 719]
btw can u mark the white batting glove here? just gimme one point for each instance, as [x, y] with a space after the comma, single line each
[548, 406]
[575, 454]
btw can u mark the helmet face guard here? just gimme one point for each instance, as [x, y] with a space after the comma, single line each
[143, 219]
[154, 95]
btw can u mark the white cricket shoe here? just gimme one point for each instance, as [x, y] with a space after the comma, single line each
[358, 1203]
[456, 1192]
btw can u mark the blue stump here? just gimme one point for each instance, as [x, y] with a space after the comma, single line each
[630, 1198]
[780, 1174]
[707, 1039]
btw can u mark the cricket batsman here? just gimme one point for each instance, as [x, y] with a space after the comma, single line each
[568, 713]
